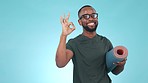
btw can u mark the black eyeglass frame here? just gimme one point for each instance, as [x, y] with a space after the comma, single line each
[90, 15]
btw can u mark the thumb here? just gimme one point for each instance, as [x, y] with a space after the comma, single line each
[73, 26]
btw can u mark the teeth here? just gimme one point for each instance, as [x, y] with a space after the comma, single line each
[90, 24]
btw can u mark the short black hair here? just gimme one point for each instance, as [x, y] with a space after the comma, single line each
[82, 8]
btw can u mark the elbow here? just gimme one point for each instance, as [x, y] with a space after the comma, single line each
[59, 65]
[60, 62]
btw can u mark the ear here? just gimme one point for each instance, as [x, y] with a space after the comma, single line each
[80, 22]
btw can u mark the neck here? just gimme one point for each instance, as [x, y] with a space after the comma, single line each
[89, 34]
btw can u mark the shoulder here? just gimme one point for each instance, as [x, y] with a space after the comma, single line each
[72, 43]
[74, 39]
[106, 41]
[103, 38]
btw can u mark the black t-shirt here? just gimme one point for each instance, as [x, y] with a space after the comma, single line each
[89, 59]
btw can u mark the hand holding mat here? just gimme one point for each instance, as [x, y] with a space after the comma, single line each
[117, 54]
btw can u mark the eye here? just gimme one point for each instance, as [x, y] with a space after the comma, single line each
[94, 15]
[86, 16]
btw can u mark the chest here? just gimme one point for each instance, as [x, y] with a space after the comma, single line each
[91, 51]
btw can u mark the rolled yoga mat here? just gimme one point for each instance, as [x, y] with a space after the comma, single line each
[115, 55]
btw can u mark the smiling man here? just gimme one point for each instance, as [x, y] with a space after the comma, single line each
[87, 50]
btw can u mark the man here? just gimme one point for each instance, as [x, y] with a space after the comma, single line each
[87, 50]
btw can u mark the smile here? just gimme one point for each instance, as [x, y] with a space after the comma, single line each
[90, 24]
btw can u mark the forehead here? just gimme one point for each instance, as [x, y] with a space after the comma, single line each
[87, 10]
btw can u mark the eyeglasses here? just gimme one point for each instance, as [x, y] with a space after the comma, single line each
[87, 16]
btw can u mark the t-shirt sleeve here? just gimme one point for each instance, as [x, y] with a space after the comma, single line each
[110, 46]
[69, 45]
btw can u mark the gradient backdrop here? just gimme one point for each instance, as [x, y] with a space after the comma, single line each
[30, 32]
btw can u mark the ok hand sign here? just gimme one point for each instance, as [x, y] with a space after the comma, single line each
[66, 29]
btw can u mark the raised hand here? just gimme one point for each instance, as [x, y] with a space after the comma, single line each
[66, 25]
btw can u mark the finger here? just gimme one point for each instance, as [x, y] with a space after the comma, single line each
[67, 18]
[116, 63]
[61, 19]
[124, 60]
[121, 63]
[72, 29]
[71, 24]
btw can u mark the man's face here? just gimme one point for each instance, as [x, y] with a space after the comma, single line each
[88, 19]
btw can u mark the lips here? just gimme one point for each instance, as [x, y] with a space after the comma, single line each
[90, 24]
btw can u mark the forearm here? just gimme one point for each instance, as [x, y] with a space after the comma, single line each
[63, 55]
[118, 69]
[61, 52]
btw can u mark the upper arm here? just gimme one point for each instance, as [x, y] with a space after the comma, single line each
[62, 60]
[69, 55]
[69, 50]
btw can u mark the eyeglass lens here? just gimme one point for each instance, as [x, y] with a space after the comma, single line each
[87, 16]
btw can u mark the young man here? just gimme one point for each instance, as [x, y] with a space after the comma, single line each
[87, 50]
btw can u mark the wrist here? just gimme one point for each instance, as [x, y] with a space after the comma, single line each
[63, 36]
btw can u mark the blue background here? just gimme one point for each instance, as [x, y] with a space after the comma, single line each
[30, 31]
